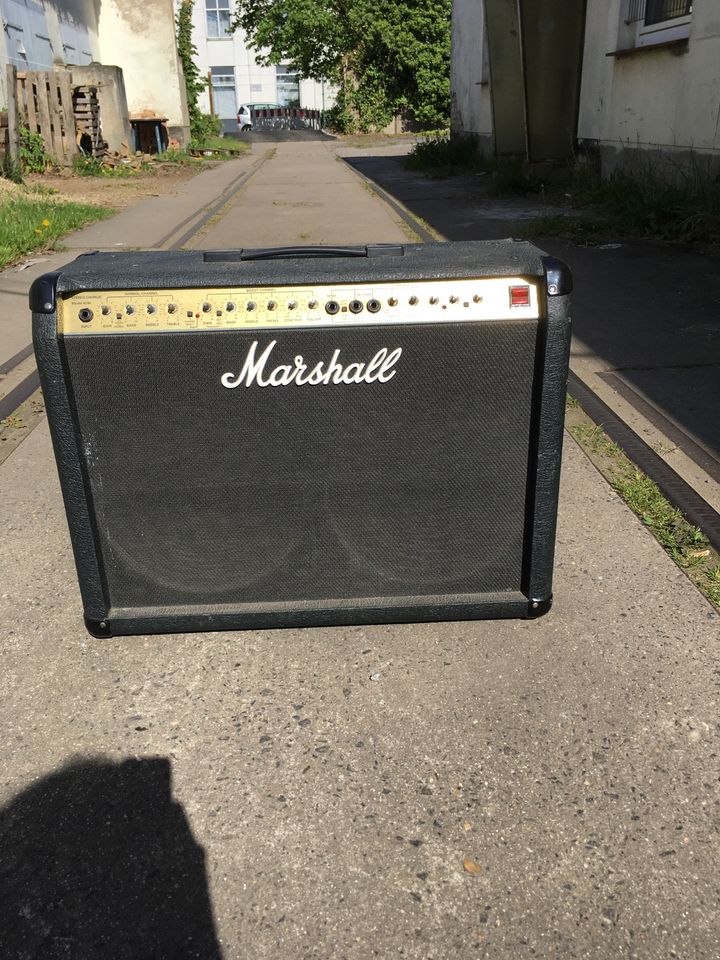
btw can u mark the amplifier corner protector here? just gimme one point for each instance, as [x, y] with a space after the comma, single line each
[43, 293]
[558, 278]
[538, 608]
[98, 628]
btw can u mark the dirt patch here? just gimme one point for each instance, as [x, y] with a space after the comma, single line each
[119, 192]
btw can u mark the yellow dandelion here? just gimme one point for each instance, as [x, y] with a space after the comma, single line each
[38, 231]
[46, 222]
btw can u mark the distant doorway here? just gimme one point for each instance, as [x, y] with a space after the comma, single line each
[224, 97]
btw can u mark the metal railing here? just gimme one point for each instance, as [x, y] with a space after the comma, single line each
[657, 11]
[286, 118]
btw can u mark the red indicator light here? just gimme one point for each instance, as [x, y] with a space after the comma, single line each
[519, 296]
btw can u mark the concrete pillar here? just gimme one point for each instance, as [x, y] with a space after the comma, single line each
[113, 102]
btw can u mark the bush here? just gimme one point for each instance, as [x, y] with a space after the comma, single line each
[33, 158]
[203, 127]
[444, 155]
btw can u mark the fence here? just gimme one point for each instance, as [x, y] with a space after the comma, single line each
[286, 118]
[43, 100]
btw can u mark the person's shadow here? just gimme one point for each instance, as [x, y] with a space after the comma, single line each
[98, 861]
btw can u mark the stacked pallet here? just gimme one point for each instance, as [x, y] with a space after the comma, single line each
[86, 108]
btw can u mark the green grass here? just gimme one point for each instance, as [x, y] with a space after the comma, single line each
[685, 543]
[642, 202]
[637, 204]
[27, 225]
[230, 144]
[444, 156]
[93, 167]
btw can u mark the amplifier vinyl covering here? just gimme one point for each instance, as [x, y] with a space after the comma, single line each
[202, 496]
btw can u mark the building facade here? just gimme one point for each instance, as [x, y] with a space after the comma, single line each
[651, 83]
[138, 38]
[235, 77]
[623, 79]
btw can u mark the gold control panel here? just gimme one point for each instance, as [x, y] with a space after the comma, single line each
[233, 308]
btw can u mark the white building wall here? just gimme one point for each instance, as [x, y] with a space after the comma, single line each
[140, 38]
[471, 106]
[253, 82]
[662, 101]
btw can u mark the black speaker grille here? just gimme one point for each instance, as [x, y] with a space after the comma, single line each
[204, 494]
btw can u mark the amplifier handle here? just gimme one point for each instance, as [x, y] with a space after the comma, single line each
[282, 253]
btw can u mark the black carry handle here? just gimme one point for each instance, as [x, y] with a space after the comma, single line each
[283, 253]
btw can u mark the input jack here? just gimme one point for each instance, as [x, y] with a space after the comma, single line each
[355, 306]
[85, 315]
[373, 306]
[332, 307]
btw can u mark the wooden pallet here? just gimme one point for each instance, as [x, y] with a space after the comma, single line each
[87, 121]
[44, 101]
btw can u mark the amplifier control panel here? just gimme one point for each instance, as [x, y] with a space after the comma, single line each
[232, 308]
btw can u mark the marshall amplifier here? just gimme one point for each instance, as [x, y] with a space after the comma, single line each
[269, 438]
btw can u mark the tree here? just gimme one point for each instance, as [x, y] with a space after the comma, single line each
[388, 56]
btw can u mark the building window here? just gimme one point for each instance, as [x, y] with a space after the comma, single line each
[288, 85]
[659, 21]
[223, 90]
[217, 13]
[651, 12]
[658, 11]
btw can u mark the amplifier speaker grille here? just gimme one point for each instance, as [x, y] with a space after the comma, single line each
[207, 495]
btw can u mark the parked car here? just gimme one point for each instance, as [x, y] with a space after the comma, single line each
[244, 117]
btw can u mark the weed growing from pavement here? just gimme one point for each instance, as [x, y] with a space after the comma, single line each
[85, 166]
[31, 224]
[444, 156]
[685, 543]
[674, 206]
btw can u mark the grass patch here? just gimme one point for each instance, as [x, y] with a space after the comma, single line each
[178, 157]
[638, 203]
[444, 156]
[94, 167]
[685, 543]
[228, 144]
[27, 225]
[633, 205]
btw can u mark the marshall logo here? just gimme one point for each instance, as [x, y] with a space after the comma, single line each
[377, 370]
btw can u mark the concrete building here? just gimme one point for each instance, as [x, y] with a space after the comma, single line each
[539, 79]
[139, 38]
[235, 75]
[651, 83]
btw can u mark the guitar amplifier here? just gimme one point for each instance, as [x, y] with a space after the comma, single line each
[289, 437]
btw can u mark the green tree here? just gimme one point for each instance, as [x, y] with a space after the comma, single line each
[388, 56]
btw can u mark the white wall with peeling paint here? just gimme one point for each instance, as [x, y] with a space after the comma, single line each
[664, 100]
[140, 38]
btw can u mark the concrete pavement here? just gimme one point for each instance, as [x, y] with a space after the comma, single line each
[499, 789]
[305, 195]
[646, 321]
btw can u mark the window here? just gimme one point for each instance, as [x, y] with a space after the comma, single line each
[659, 21]
[288, 85]
[217, 13]
[651, 12]
[223, 90]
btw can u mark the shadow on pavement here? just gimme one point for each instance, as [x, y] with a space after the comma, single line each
[650, 312]
[98, 861]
